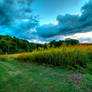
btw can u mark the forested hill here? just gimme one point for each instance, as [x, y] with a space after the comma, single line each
[15, 45]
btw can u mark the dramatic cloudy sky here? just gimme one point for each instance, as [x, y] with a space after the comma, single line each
[46, 20]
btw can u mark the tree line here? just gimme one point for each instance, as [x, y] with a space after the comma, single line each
[14, 45]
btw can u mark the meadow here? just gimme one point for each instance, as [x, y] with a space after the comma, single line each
[78, 56]
[62, 69]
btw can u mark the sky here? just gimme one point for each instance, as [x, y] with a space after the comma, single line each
[42, 21]
[49, 9]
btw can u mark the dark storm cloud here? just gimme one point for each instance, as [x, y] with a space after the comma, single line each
[11, 10]
[47, 30]
[69, 24]
[16, 17]
[16, 20]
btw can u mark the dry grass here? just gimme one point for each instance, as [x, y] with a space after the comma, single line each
[71, 56]
[64, 55]
[4, 57]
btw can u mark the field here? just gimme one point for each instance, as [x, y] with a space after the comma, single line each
[26, 77]
[63, 69]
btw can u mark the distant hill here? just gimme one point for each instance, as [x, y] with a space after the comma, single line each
[14, 45]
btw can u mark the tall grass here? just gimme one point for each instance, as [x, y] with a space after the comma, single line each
[63, 56]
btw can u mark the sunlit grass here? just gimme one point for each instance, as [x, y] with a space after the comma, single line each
[16, 55]
[70, 56]
[72, 71]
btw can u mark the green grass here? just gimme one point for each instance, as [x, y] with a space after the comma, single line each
[32, 77]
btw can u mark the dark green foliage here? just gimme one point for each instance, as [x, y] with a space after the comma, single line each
[71, 41]
[68, 41]
[15, 45]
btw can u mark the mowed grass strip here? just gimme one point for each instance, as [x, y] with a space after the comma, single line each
[32, 77]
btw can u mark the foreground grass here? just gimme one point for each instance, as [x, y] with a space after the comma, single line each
[31, 77]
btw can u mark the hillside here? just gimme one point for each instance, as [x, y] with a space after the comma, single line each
[15, 45]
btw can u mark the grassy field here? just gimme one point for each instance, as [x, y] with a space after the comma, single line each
[63, 69]
[32, 77]
[78, 56]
